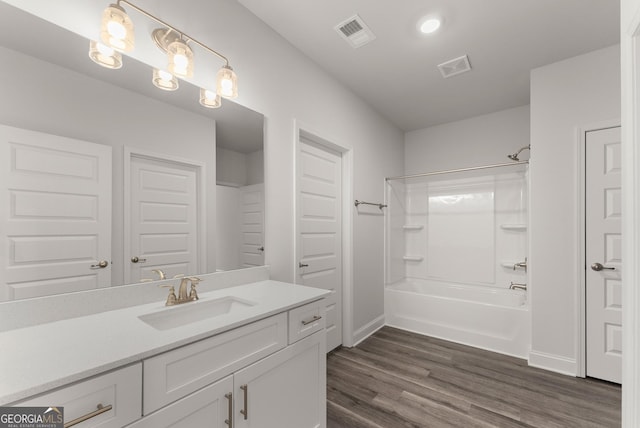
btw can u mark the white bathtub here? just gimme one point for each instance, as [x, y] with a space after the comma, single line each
[488, 318]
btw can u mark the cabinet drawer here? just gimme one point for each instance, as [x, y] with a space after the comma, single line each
[175, 374]
[306, 320]
[119, 389]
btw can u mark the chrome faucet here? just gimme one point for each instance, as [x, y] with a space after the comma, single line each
[515, 285]
[183, 296]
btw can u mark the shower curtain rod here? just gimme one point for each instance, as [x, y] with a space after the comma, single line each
[448, 171]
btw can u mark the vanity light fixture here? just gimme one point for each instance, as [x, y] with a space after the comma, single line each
[180, 59]
[104, 55]
[227, 85]
[164, 80]
[116, 29]
[209, 99]
[117, 32]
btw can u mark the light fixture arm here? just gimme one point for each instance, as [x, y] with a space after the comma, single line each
[171, 27]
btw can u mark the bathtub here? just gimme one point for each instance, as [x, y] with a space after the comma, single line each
[488, 318]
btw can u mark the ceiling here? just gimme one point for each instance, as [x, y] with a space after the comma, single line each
[397, 72]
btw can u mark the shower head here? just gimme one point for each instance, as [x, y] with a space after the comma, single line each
[514, 157]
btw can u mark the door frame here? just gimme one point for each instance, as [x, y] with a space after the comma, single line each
[303, 130]
[630, 58]
[199, 168]
[581, 336]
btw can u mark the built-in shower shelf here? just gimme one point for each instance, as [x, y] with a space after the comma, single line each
[515, 226]
[413, 227]
[412, 258]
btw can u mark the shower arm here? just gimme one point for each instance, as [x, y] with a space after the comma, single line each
[515, 155]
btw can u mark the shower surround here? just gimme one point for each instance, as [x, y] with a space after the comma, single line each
[456, 246]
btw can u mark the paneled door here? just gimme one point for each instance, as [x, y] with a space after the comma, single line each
[603, 255]
[164, 215]
[319, 229]
[252, 227]
[55, 214]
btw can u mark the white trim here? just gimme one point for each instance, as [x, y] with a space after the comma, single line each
[630, 57]
[368, 329]
[554, 363]
[301, 129]
[201, 174]
[581, 334]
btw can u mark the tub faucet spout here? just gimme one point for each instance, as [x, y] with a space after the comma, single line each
[517, 286]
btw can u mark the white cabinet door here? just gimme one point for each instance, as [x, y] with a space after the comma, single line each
[55, 218]
[210, 407]
[284, 390]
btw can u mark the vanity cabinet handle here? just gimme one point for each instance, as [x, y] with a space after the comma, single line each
[136, 259]
[245, 410]
[101, 409]
[314, 319]
[229, 421]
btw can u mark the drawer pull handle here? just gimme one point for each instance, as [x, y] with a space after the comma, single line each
[314, 319]
[229, 421]
[101, 409]
[245, 411]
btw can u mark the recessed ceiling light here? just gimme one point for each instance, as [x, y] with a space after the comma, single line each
[430, 24]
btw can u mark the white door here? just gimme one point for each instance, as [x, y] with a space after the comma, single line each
[603, 255]
[319, 229]
[55, 215]
[252, 227]
[163, 218]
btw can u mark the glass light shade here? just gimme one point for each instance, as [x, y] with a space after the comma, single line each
[164, 80]
[104, 55]
[209, 98]
[227, 82]
[180, 59]
[116, 29]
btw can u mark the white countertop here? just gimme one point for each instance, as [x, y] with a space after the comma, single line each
[42, 357]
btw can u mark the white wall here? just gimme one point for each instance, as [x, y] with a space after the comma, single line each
[565, 96]
[228, 222]
[231, 167]
[481, 140]
[44, 97]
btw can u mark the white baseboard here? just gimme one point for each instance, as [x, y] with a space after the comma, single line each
[367, 330]
[554, 363]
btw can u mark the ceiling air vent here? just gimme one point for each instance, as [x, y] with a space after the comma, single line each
[455, 66]
[355, 32]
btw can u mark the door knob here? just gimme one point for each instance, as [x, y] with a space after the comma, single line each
[301, 265]
[101, 265]
[598, 267]
[135, 259]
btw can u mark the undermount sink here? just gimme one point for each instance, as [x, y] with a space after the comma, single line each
[187, 313]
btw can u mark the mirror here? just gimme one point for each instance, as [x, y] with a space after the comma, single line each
[53, 88]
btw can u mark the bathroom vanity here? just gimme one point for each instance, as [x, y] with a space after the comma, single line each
[249, 355]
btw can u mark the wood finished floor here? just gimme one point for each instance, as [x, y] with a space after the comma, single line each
[401, 379]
